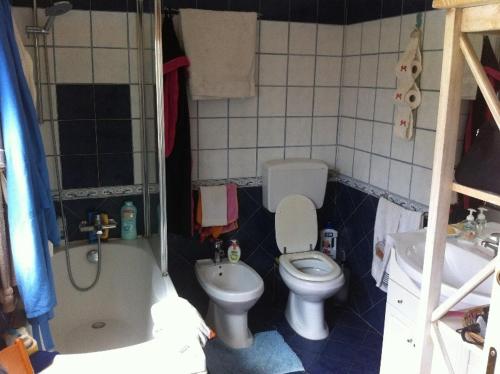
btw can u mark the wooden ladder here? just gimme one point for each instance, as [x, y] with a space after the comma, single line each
[463, 16]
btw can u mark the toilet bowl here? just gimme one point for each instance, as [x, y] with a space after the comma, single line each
[232, 289]
[310, 276]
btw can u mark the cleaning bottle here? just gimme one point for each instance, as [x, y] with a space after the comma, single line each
[129, 221]
[481, 220]
[328, 238]
[234, 251]
[470, 227]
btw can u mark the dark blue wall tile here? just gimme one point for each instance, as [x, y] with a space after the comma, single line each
[177, 4]
[244, 5]
[79, 171]
[331, 11]
[75, 101]
[112, 101]
[363, 10]
[413, 6]
[77, 137]
[114, 136]
[277, 10]
[213, 4]
[116, 169]
[391, 8]
[304, 10]
[110, 5]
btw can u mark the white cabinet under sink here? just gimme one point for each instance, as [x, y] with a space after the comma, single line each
[399, 351]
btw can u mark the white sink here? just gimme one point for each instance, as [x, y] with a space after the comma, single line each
[462, 261]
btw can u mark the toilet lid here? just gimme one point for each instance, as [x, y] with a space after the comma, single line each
[296, 224]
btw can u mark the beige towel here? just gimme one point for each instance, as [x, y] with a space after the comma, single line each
[221, 48]
[214, 205]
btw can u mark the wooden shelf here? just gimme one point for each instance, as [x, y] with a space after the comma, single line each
[489, 197]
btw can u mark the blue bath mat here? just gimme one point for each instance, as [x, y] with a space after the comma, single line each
[269, 354]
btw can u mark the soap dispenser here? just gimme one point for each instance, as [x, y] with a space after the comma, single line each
[481, 220]
[470, 227]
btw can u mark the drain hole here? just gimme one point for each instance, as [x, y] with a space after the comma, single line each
[98, 325]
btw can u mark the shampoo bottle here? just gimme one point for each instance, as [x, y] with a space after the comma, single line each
[328, 238]
[470, 227]
[481, 220]
[129, 221]
[234, 251]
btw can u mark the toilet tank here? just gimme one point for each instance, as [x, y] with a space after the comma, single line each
[302, 176]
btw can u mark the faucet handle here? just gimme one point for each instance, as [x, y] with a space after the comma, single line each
[495, 236]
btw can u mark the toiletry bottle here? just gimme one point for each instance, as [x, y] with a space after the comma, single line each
[470, 228]
[481, 220]
[105, 221]
[129, 221]
[91, 220]
[234, 251]
[328, 238]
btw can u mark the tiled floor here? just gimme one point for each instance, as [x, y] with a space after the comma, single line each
[353, 347]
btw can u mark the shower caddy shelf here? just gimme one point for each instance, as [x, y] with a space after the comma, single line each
[462, 16]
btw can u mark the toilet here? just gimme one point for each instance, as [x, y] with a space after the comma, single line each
[294, 189]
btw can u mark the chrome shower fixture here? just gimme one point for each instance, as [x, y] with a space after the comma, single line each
[57, 9]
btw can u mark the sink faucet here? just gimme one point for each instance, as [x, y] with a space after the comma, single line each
[492, 242]
[219, 252]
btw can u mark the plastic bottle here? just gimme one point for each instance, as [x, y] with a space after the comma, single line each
[129, 221]
[234, 251]
[470, 227]
[481, 220]
[328, 238]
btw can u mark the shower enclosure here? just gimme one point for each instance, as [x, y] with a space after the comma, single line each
[125, 162]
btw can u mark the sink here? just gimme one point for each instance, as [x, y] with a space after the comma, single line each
[462, 261]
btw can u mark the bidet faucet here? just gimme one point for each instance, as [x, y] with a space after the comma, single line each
[97, 226]
[219, 252]
[492, 243]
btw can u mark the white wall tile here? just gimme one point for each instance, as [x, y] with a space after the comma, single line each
[273, 37]
[150, 102]
[348, 101]
[299, 101]
[109, 29]
[352, 39]
[386, 77]
[328, 71]
[301, 70]
[370, 37]
[212, 108]
[325, 153]
[366, 103]
[212, 164]
[271, 132]
[243, 107]
[389, 34]
[242, 163]
[303, 38]
[23, 16]
[297, 152]
[424, 147]
[364, 132]
[148, 29]
[344, 161]
[193, 132]
[46, 132]
[408, 22]
[45, 101]
[242, 132]
[324, 130]
[272, 101]
[384, 106]
[194, 165]
[350, 70]
[399, 178]
[431, 70]
[347, 131]
[272, 70]
[268, 154]
[361, 169]
[421, 185]
[434, 29]
[212, 133]
[193, 107]
[368, 71]
[379, 175]
[110, 65]
[326, 101]
[136, 136]
[65, 29]
[330, 40]
[402, 149]
[382, 136]
[298, 131]
[52, 163]
[74, 65]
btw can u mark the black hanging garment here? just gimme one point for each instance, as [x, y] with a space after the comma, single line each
[177, 137]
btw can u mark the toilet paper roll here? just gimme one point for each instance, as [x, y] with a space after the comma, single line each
[403, 123]
[413, 98]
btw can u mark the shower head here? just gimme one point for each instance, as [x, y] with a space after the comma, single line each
[57, 9]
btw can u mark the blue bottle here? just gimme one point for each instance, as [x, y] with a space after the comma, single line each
[129, 221]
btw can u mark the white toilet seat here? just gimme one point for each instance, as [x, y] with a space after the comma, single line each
[328, 269]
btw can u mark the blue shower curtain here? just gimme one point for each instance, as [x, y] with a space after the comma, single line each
[31, 215]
